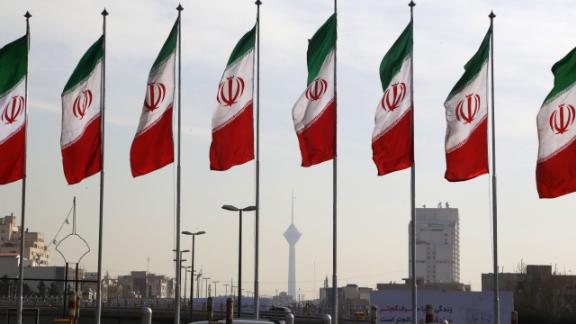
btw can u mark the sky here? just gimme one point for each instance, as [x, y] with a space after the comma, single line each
[139, 222]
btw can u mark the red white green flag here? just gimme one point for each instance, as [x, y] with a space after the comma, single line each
[556, 167]
[392, 144]
[80, 139]
[232, 122]
[13, 66]
[314, 113]
[466, 119]
[153, 145]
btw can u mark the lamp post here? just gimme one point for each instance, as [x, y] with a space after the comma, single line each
[198, 283]
[240, 210]
[193, 234]
[192, 279]
[185, 280]
[206, 284]
[177, 296]
[215, 291]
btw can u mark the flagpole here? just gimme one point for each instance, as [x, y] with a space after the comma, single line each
[102, 137]
[494, 193]
[178, 173]
[23, 207]
[257, 212]
[335, 186]
[413, 182]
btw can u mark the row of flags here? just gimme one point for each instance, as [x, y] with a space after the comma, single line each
[314, 113]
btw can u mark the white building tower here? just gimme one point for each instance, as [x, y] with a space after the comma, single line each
[292, 236]
[437, 244]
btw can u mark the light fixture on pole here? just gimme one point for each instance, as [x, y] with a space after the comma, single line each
[239, 210]
[193, 234]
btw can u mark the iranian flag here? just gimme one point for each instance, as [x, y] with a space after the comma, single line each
[466, 119]
[314, 113]
[232, 122]
[80, 139]
[556, 168]
[13, 65]
[153, 145]
[392, 143]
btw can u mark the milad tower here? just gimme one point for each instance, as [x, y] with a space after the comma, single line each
[292, 236]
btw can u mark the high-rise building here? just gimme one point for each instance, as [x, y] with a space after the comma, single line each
[437, 244]
[292, 236]
[35, 250]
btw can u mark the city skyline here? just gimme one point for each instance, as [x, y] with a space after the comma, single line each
[139, 221]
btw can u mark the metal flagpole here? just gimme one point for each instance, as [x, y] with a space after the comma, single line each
[413, 182]
[494, 193]
[257, 212]
[23, 207]
[239, 264]
[102, 128]
[178, 173]
[335, 186]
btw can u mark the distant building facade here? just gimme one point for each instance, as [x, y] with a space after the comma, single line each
[282, 299]
[143, 284]
[35, 250]
[441, 286]
[537, 289]
[9, 262]
[437, 245]
[351, 298]
[46, 274]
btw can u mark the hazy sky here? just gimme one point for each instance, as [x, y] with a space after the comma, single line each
[530, 36]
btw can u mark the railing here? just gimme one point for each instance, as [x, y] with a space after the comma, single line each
[10, 313]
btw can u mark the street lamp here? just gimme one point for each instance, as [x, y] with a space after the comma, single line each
[198, 283]
[239, 210]
[206, 284]
[185, 279]
[193, 234]
[179, 272]
[215, 291]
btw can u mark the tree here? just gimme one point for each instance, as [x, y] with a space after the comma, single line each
[27, 291]
[4, 286]
[41, 289]
[53, 290]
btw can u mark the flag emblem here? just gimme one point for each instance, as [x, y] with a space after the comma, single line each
[317, 89]
[13, 109]
[393, 96]
[468, 108]
[230, 91]
[156, 91]
[562, 118]
[82, 103]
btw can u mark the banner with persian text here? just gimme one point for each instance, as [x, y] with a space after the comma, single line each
[456, 307]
